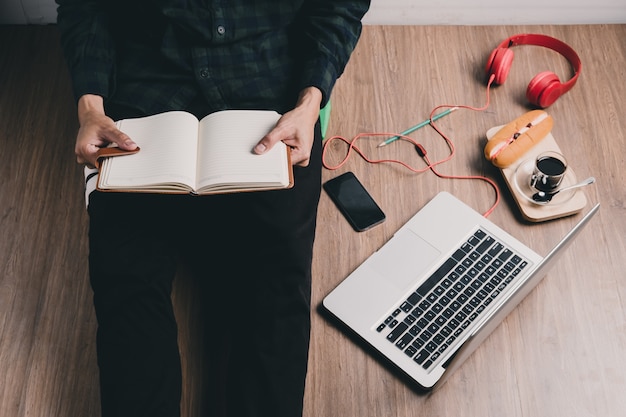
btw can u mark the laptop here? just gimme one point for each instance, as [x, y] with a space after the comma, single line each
[429, 297]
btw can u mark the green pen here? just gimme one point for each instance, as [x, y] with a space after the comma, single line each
[418, 126]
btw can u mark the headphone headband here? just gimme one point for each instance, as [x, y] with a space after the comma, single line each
[551, 43]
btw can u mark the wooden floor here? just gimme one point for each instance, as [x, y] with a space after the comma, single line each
[560, 353]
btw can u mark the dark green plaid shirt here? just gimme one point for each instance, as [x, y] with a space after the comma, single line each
[158, 55]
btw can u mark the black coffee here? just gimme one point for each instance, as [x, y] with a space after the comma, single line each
[548, 174]
[551, 166]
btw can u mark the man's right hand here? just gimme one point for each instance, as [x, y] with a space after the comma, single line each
[96, 131]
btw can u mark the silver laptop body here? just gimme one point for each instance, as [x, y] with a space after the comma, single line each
[445, 280]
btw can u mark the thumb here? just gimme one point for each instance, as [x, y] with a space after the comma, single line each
[268, 141]
[122, 140]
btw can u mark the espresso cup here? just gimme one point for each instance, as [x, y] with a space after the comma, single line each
[548, 172]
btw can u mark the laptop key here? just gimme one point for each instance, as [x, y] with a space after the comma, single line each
[397, 332]
[473, 240]
[486, 244]
[459, 254]
[410, 351]
[404, 341]
[413, 299]
[417, 344]
[495, 249]
[406, 307]
[417, 312]
[505, 254]
[421, 356]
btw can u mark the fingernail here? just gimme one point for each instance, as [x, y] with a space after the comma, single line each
[260, 148]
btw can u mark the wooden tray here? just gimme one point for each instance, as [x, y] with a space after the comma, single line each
[517, 177]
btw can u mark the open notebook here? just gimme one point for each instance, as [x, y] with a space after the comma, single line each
[439, 287]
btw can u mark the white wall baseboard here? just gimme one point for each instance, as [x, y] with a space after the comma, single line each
[495, 12]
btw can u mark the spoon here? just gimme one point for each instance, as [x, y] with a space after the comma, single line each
[542, 197]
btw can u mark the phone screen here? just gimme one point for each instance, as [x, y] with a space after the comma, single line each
[354, 202]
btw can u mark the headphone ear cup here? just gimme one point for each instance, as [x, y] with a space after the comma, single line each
[544, 89]
[499, 64]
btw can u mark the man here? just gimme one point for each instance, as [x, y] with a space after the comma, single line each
[251, 251]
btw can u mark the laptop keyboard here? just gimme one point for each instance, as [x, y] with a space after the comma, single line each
[436, 316]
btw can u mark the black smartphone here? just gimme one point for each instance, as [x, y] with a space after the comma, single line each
[354, 202]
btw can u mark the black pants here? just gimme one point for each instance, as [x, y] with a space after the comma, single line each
[252, 256]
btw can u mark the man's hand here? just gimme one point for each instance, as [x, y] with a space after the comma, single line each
[295, 128]
[96, 131]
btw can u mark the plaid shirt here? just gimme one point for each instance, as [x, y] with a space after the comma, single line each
[158, 55]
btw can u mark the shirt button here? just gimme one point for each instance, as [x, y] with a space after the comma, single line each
[204, 72]
[221, 30]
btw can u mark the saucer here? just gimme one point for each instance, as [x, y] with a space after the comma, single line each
[521, 180]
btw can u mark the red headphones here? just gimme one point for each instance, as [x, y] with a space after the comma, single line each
[545, 87]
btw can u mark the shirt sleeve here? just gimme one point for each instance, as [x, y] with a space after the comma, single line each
[330, 31]
[88, 46]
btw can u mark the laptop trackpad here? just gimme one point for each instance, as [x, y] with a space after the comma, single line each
[404, 258]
